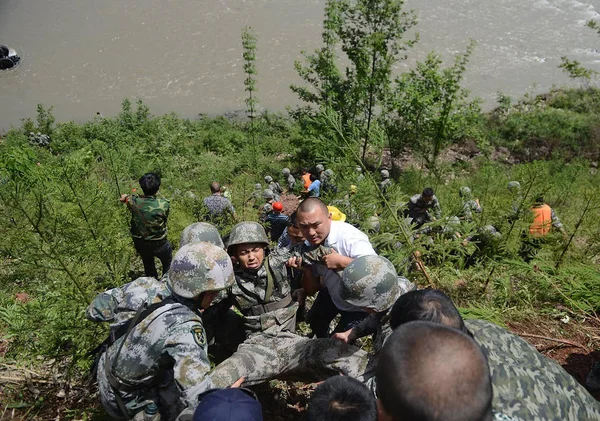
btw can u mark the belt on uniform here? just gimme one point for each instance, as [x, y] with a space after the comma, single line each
[259, 309]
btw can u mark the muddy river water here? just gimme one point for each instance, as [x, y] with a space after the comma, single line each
[185, 55]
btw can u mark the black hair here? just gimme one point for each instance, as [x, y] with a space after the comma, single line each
[428, 372]
[428, 192]
[215, 187]
[292, 222]
[313, 177]
[150, 183]
[539, 199]
[430, 305]
[342, 398]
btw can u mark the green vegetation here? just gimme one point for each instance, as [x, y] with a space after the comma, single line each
[65, 235]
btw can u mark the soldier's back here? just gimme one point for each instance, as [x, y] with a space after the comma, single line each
[528, 385]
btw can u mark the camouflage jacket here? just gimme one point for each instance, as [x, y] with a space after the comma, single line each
[291, 182]
[171, 337]
[385, 185]
[528, 385]
[275, 188]
[418, 208]
[148, 217]
[468, 208]
[250, 290]
[119, 305]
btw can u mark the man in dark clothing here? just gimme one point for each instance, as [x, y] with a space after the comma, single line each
[149, 224]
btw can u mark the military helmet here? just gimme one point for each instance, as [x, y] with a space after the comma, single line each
[201, 232]
[514, 186]
[268, 178]
[329, 173]
[247, 232]
[198, 268]
[371, 282]
[320, 168]
[385, 173]
[268, 194]
[358, 169]
[373, 223]
[285, 171]
[257, 186]
[464, 192]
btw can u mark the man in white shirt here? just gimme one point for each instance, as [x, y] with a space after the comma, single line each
[346, 243]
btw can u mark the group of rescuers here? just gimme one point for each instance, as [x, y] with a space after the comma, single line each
[240, 302]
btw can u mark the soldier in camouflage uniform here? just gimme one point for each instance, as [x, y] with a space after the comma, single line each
[516, 211]
[419, 207]
[149, 224]
[289, 179]
[267, 208]
[321, 176]
[262, 291]
[256, 196]
[162, 358]
[527, 385]
[329, 186]
[274, 187]
[386, 182]
[470, 205]
[371, 283]
[118, 305]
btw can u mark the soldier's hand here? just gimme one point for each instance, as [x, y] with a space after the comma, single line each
[336, 261]
[300, 296]
[294, 262]
[343, 336]
[123, 198]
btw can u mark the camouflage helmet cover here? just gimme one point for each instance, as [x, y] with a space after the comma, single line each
[514, 186]
[285, 171]
[268, 194]
[385, 173]
[370, 282]
[198, 268]
[329, 173]
[464, 191]
[320, 168]
[268, 178]
[201, 232]
[257, 186]
[247, 232]
[358, 169]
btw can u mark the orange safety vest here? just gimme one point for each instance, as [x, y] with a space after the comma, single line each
[307, 182]
[542, 221]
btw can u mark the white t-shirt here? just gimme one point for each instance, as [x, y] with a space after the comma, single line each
[349, 242]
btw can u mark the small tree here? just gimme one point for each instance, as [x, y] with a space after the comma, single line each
[249, 54]
[430, 110]
[370, 34]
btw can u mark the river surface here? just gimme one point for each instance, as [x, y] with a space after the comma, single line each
[85, 56]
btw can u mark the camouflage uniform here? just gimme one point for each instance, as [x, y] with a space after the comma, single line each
[289, 178]
[528, 385]
[163, 358]
[418, 209]
[328, 186]
[267, 208]
[386, 182]
[360, 177]
[256, 196]
[274, 187]
[149, 231]
[514, 187]
[263, 296]
[148, 217]
[469, 205]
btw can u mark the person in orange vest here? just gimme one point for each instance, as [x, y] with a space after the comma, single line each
[306, 178]
[544, 220]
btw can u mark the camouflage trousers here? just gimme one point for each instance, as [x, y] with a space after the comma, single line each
[288, 356]
[165, 395]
